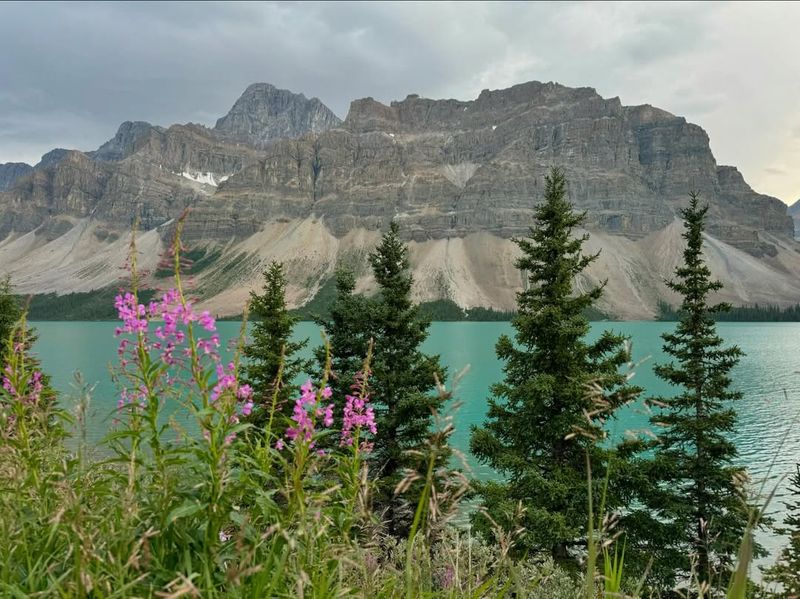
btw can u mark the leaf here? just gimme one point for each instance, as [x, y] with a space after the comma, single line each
[186, 509]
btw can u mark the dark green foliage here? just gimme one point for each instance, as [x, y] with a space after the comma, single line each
[447, 310]
[348, 326]
[90, 305]
[10, 312]
[787, 571]
[442, 310]
[270, 350]
[697, 513]
[403, 384]
[536, 435]
[754, 313]
[14, 330]
[320, 305]
[404, 379]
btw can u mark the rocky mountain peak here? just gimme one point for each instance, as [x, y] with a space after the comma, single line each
[52, 158]
[11, 171]
[123, 144]
[265, 113]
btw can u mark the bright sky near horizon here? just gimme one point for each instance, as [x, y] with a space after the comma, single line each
[71, 72]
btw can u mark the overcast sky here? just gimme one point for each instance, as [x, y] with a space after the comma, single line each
[70, 73]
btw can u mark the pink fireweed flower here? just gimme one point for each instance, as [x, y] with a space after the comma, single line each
[245, 394]
[169, 343]
[225, 380]
[306, 410]
[328, 421]
[131, 314]
[303, 427]
[207, 321]
[358, 415]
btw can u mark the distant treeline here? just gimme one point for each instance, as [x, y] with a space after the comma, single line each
[91, 305]
[442, 310]
[448, 310]
[99, 305]
[754, 313]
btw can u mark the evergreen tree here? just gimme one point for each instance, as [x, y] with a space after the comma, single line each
[698, 509]
[403, 383]
[15, 332]
[271, 348]
[404, 378]
[787, 571]
[349, 329]
[10, 312]
[556, 384]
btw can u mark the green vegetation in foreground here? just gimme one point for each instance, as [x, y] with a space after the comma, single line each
[787, 571]
[296, 507]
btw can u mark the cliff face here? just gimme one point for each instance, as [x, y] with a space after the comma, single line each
[281, 177]
[794, 212]
[169, 170]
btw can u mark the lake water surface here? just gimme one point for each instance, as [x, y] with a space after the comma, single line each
[768, 376]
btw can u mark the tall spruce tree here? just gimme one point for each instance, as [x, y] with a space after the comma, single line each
[404, 378]
[694, 493]
[270, 348]
[554, 378]
[403, 384]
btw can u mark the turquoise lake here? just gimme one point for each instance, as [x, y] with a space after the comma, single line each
[768, 376]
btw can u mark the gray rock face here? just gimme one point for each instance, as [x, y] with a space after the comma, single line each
[155, 183]
[265, 113]
[123, 144]
[794, 212]
[448, 168]
[52, 158]
[11, 171]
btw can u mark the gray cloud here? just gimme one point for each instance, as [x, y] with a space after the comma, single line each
[71, 72]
